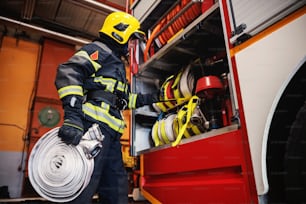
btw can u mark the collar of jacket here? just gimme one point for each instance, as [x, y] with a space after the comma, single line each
[118, 49]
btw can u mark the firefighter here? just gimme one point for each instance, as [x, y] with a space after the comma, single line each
[93, 88]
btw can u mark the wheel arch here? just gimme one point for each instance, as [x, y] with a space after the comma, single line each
[282, 114]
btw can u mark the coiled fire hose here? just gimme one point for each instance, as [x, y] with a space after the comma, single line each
[175, 90]
[188, 121]
[60, 172]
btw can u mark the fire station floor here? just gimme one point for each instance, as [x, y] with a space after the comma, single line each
[29, 196]
[39, 200]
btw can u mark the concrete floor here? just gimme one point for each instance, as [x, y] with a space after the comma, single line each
[42, 201]
[31, 197]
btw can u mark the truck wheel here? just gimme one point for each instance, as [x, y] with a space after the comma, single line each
[295, 160]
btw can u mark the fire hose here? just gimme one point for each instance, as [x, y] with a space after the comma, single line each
[60, 172]
[188, 121]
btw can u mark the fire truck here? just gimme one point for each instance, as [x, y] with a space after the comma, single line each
[243, 140]
[230, 124]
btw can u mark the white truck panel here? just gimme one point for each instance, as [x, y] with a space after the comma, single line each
[259, 14]
[264, 68]
[143, 8]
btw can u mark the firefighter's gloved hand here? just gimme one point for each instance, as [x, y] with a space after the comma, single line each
[70, 133]
[72, 130]
[149, 99]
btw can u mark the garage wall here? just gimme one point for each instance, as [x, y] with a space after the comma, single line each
[18, 69]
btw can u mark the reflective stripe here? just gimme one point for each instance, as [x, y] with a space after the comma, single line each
[105, 106]
[84, 54]
[175, 86]
[102, 114]
[111, 83]
[108, 82]
[121, 87]
[72, 125]
[132, 100]
[70, 90]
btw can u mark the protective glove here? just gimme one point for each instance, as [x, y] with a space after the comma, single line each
[149, 99]
[70, 133]
[72, 130]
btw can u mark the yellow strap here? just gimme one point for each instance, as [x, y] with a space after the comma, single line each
[186, 133]
[195, 129]
[190, 106]
[182, 114]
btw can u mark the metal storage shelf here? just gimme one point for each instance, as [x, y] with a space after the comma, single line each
[195, 138]
[203, 35]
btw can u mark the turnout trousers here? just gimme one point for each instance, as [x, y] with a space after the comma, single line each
[109, 178]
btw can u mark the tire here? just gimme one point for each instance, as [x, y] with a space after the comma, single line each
[295, 160]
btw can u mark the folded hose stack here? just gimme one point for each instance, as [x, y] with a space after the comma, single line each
[179, 17]
[193, 11]
[176, 89]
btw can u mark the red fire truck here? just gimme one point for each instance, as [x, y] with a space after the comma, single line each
[245, 137]
[231, 75]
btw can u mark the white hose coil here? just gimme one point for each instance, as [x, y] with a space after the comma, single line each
[164, 130]
[186, 84]
[60, 172]
[159, 131]
[169, 127]
[154, 134]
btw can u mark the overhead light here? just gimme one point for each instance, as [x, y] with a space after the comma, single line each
[28, 9]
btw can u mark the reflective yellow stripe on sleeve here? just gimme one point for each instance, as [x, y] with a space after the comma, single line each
[84, 54]
[70, 90]
[132, 100]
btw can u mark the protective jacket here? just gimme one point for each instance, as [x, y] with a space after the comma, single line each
[96, 76]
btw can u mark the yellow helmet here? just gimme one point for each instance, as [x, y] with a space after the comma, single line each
[120, 26]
